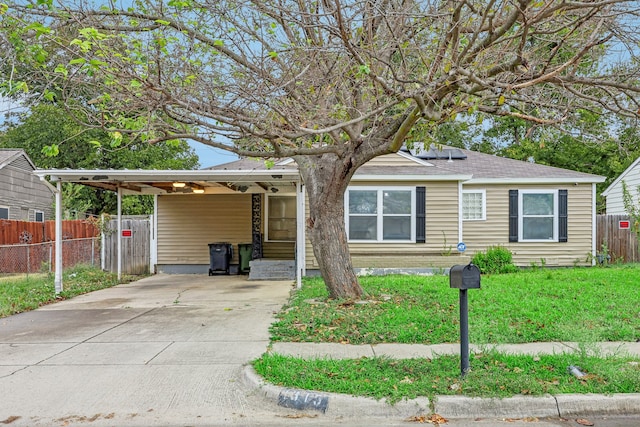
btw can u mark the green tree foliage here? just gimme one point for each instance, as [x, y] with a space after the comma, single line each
[80, 147]
[631, 206]
[600, 144]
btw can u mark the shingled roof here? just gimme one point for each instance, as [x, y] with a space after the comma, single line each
[444, 162]
[488, 167]
[11, 155]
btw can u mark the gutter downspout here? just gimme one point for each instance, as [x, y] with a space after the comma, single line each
[460, 222]
[594, 224]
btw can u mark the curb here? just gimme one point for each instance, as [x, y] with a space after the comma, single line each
[342, 405]
[333, 404]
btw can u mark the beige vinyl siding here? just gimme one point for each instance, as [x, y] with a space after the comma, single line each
[279, 250]
[479, 235]
[188, 223]
[441, 222]
[393, 159]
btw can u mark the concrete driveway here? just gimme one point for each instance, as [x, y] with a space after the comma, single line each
[165, 350]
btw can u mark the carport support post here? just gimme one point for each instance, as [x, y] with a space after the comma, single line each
[58, 243]
[119, 233]
[300, 234]
[464, 333]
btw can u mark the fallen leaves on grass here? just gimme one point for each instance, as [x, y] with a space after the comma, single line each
[434, 419]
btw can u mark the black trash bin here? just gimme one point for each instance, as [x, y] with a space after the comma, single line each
[245, 251]
[220, 258]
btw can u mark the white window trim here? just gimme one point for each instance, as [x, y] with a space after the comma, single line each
[266, 217]
[380, 216]
[521, 215]
[8, 211]
[484, 205]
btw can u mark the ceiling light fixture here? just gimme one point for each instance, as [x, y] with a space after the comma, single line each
[179, 184]
[198, 190]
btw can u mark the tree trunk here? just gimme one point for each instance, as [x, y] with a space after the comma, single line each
[326, 179]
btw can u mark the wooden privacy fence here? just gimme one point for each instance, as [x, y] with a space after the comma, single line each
[615, 240]
[136, 246]
[21, 232]
[27, 246]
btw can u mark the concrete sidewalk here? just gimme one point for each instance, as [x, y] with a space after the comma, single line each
[450, 407]
[408, 351]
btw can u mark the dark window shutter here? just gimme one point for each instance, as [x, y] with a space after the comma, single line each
[513, 215]
[563, 223]
[421, 215]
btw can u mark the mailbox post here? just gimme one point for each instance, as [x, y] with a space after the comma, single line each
[464, 277]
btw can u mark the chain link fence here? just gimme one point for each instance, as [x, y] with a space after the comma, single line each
[40, 257]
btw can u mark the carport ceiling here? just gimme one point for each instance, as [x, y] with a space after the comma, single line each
[165, 181]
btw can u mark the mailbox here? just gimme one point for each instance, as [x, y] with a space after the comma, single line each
[464, 277]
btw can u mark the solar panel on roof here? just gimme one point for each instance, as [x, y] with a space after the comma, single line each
[444, 154]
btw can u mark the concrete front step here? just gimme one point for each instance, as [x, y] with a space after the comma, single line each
[272, 269]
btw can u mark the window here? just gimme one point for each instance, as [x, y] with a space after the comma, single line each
[4, 212]
[473, 206]
[380, 214]
[538, 215]
[538, 219]
[39, 216]
[281, 218]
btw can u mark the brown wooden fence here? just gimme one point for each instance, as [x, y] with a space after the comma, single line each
[27, 246]
[613, 239]
[17, 232]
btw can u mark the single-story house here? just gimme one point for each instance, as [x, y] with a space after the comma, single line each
[23, 196]
[613, 193]
[407, 210]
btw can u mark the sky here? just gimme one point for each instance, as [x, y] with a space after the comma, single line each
[210, 156]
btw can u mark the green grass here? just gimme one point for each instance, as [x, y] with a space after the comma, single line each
[583, 305]
[22, 293]
[577, 304]
[492, 375]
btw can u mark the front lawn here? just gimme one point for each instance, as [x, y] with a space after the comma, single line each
[584, 305]
[492, 375]
[578, 304]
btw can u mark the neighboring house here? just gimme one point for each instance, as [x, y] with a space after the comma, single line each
[23, 196]
[407, 210]
[613, 193]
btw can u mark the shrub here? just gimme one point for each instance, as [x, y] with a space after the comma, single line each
[496, 260]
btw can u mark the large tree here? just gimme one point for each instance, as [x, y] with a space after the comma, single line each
[47, 127]
[330, 83]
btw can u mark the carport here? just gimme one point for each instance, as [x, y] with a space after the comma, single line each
[251, 179]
